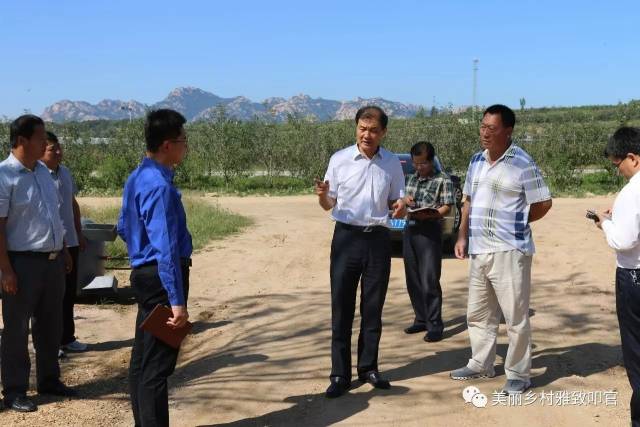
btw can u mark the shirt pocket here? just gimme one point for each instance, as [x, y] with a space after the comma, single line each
[381, 178]
[22, 195]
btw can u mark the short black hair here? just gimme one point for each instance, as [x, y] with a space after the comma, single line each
[625, 140]
[51, 137]
[422, 147]
[373, 112]
[507, 115]
[161, 125]
[23, 126]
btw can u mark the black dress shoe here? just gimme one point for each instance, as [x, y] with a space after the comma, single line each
[433, 336]
[58, 389]
[415, 328]
[21, 404]
[338, 387]
[375, 380]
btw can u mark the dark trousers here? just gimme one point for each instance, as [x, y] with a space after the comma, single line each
[39, 298]
[358, 257]
[628, 309]
[152, 361]
[422, 251]
[71, 284]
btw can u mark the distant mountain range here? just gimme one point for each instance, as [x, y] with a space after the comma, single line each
[196, 104]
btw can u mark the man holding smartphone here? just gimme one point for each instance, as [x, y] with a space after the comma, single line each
[621, 226]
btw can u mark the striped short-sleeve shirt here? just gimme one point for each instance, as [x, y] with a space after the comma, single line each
[500, 198]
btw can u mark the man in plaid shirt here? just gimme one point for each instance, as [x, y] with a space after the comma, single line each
[504, 192]
[422, 241]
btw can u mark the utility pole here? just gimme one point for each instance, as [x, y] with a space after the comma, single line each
[475, 87]
[128, 108]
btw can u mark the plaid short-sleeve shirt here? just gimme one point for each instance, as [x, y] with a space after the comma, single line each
[431, 192]
[500, 198]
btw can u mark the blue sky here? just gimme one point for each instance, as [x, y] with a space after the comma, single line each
[549, 52]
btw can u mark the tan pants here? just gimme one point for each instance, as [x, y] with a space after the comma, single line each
[500, 281]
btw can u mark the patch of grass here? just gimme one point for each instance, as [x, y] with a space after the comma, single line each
[239, 186]
[205, 221]
[274, 185]
[595, 183]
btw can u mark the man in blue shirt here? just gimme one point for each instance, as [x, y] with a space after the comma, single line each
[153, 224]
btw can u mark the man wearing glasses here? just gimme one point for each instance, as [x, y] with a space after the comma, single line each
[422, 240]
[504, 193]
[621, 226]
[154, 225]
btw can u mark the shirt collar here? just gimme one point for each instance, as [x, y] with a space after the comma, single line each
[510, 152]
[19, 167]
[356, 153]
[426, 178]
[635, 177]
[166, 172]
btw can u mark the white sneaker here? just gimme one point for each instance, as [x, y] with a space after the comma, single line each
[61, 354]
[75, 346]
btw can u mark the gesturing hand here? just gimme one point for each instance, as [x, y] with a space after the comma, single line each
[321, 188]
[399, 209]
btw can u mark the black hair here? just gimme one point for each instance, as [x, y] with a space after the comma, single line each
[160, 126]
[422, 147]
[623, 141]
[51, 137]
[507, 115]
[373, 112]
[23, 126]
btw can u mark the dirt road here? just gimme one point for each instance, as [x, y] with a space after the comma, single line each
[259, 354]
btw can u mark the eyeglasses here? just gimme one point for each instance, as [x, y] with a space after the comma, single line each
[617, 164]
[181, 140]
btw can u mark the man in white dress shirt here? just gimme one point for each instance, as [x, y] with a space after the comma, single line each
[362, 183]
[621, 226]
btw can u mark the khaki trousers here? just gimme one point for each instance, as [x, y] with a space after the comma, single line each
[498, 282]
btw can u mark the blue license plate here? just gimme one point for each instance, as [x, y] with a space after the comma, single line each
[397, 224]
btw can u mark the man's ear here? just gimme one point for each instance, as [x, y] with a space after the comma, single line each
[164, 146]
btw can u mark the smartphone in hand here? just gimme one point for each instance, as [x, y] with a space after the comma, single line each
[592, 215]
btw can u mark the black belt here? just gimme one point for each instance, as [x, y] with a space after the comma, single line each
[184, 262]
[33, 254]
[361, 228]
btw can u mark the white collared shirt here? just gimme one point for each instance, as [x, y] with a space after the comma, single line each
[31, 203]
[622, 231]
[363, 187]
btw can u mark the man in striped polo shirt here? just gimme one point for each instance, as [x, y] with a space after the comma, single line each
[504, 192]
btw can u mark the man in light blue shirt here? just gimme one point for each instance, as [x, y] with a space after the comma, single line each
[32, 263]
